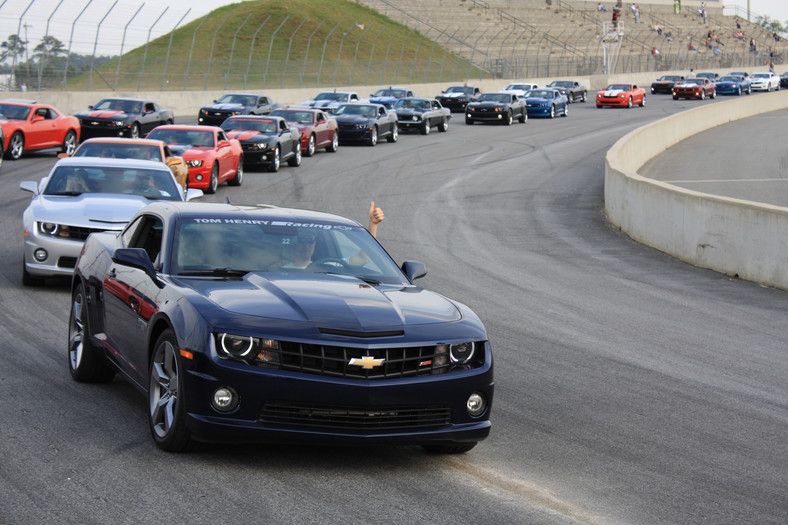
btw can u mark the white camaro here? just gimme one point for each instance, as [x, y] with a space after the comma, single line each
[765, 81]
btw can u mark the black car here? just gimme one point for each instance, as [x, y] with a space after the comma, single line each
[784, 80]
[496, 107]
[665, 83]
[573, 89]
[266, 141]
[122, 117]
[366, 123]
[457, 97]
[422, 114]
[201, 309]
[235, 104]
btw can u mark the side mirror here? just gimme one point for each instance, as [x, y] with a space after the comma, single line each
[414, 270]
[37, 118]
[136, 258]
[172, 161]
[193, 193]
[90, 107]
[224, 144]
[29, 185]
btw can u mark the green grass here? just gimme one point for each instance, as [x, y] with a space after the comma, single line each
[269, 44]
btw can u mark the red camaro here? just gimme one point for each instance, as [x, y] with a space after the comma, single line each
[318, 129]
[212, 158]
[28, 126]
[694, 88]
[625, 95]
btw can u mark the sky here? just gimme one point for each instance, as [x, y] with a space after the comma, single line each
[129, 23]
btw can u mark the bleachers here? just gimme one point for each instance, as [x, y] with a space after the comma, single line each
[524, 31]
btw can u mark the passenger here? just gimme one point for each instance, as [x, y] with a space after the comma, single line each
[77, 182]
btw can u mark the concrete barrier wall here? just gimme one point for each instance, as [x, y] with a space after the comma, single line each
[735, 237]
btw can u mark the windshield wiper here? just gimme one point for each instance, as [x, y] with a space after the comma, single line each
[368, 280]
[69, 193]
[216, 272]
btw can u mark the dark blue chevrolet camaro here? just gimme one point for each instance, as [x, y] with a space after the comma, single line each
[258, 323]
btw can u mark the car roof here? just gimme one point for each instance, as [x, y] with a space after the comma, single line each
[127, 98]
[287, 216]
[102, 162]
[19, 101]
[121, 140]
[251, 117]
[192, 127]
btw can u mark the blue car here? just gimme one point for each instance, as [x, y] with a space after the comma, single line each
[265, 324]
[546, 102]
[733, 85]
[389, 96]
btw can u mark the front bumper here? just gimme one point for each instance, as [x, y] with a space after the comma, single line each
[486, 115]
[95, 128]
[538, 111]
[279, 406]
[353, 133]
[666, 89]
[213, 118]
[254, 156]
[454, 105]
[687, 94]
[61, 254]
[730, 90]
[612, 101]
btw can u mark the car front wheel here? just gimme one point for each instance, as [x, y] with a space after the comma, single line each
[373, 137]
[16, 145]
[213, 183]
[135, 131]
[274, 167]
[166, 394]
[394, 134]
[331, 148]
[310, 147]
[643, 101]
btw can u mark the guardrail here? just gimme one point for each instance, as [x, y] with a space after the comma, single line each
[735, 237]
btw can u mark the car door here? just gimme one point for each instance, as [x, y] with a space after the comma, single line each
[130, 299]
[320, 125]
[42, 129]
[384, 123]
[224, 156]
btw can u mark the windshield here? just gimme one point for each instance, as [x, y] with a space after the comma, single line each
[495, 97]
[731, 78]
[541, 93]
[670, 77]
[521, 87]
[126, 106]
[328, 95]
[119, 151]
[76, 180]
[356, 109]
[562, 83]
[194, 137]
[618, 87]
[210, 246]
[413, 103]
[761, 75]
[398, 93]
[14, 112]
[294, 115]
[240, 124]
[460, 89]
[244, 100]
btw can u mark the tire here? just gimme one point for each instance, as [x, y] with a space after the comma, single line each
[523, 117]
[394, 134]
[425, 129]
[566, 111]
[552, 111]
[570, 98]
[643, 101]
[713, 94]
[274, 167]
[16, 146]
[135, 131]
[508, 119]
[213, 183]
[70, 143]
[469, 121]
[373, 138]
[310, 147]
[443, 127]
[166, 415]
[295, 160]
[585, 96]
[84, 360]
[703, 95]
[459, 448]
[629, 103]
[334, 146]
[239, 173]
[675, 97]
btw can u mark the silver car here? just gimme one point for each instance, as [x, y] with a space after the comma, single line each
[82, 195]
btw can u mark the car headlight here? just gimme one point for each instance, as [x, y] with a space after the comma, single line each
[260, 145]
[253, 350]
[194, 163]
[461, 353]
[55, 230]
[117, 123]
[415, 118]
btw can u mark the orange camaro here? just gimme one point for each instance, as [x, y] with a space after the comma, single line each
[625, 95]
[28, 125]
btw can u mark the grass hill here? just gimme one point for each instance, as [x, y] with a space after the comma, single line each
[282, 44]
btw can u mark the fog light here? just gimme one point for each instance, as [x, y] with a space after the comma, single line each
[198, 177]
[224, 399]
[476, 405]
[40, 255]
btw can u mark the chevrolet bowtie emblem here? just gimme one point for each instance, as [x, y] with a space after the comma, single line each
[366, 362]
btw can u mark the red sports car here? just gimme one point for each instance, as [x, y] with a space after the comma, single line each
[211, 156]
[621, 95]
[28, 126]
[318, 129]
[694, 88]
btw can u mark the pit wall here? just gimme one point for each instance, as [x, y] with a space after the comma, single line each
[732, 236]
[188, 103]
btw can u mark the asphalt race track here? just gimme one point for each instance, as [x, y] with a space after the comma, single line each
[631, 388]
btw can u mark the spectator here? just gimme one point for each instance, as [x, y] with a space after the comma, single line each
[738, 24]
[600, 7]
[677, 6]
[658, 29]
[615, 18]
[636, 11]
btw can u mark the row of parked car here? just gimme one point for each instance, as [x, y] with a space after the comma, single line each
[711, 84]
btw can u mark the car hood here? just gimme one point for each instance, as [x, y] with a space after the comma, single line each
[538, 100]
[338, 302]
[612, 92]
[453, 95]
[350, 119]
[189, 150]
[321, 103]
[99, 114]
[410, 111]
[247, 134]
[225, 107]
[386, 101]
[106, 210]
[487, 104]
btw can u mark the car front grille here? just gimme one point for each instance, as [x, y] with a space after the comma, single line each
[381, 363]
[351, 418]
[66, 262]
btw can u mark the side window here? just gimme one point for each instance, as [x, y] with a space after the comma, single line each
[149, 107]
[353, 97]
[262, 102]
[128, 233]
[220, 136]
[147, 235]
